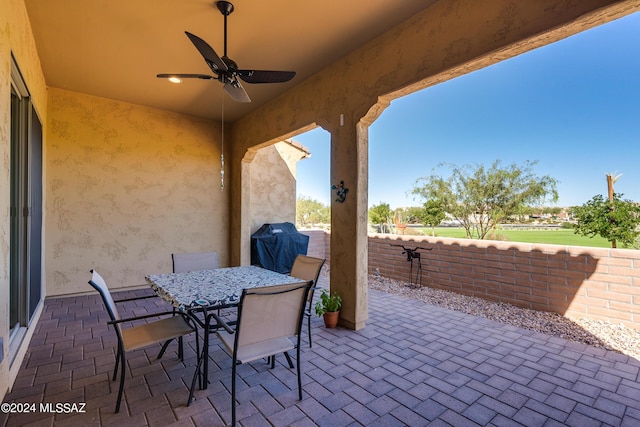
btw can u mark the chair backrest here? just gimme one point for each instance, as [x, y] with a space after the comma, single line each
[270, 312]
[307, 268]
[194, 261]
[100, 285]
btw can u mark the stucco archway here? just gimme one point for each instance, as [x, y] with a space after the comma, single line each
[442, 42]
[270, 184]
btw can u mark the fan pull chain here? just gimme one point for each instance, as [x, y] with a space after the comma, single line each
[222, 150]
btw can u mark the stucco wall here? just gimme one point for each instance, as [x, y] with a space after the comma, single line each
[273, 184]
[126, 186]
[5, 147]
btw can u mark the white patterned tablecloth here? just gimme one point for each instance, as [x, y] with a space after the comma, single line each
[219, 287]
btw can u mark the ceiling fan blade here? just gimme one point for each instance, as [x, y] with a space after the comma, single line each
[185, 76]
[265, 76]
[236, 91]
[210, 56]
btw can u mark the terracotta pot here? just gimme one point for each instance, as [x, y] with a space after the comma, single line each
[331, 319]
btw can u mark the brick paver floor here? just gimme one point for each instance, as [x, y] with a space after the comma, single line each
[413, 364]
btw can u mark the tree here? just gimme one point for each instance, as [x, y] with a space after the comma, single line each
[380, 215]
[310, 211]
[481, 197]
[615, 220]
[412, 214]
[611, 179]
[433, 214]
[555, 210]
[522, 214]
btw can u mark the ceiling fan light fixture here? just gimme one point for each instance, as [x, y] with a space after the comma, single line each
[175, 79]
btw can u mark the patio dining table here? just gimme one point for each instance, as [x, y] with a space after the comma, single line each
[204, 290]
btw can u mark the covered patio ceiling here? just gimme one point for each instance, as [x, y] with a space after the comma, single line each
[114, 49]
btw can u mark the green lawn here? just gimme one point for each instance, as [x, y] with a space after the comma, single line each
[554, 237]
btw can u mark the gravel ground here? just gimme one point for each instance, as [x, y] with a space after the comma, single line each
[606, 335]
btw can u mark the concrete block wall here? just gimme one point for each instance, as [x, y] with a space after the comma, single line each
[574, 281]
[318, 243]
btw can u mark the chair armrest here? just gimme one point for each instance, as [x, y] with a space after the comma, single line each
[222, 323]
[130, 319]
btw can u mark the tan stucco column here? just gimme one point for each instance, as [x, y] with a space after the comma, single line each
[349, 250]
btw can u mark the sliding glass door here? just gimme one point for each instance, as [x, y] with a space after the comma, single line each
[25, 278]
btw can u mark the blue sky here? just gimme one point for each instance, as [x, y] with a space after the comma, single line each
[573, 106]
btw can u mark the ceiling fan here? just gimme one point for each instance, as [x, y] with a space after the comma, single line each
[225, 69]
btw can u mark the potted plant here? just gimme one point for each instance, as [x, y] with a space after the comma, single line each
[329, 308]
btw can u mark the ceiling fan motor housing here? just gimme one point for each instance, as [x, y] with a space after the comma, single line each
[224, 7]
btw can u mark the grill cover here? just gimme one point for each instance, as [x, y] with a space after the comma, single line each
[275, 246]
